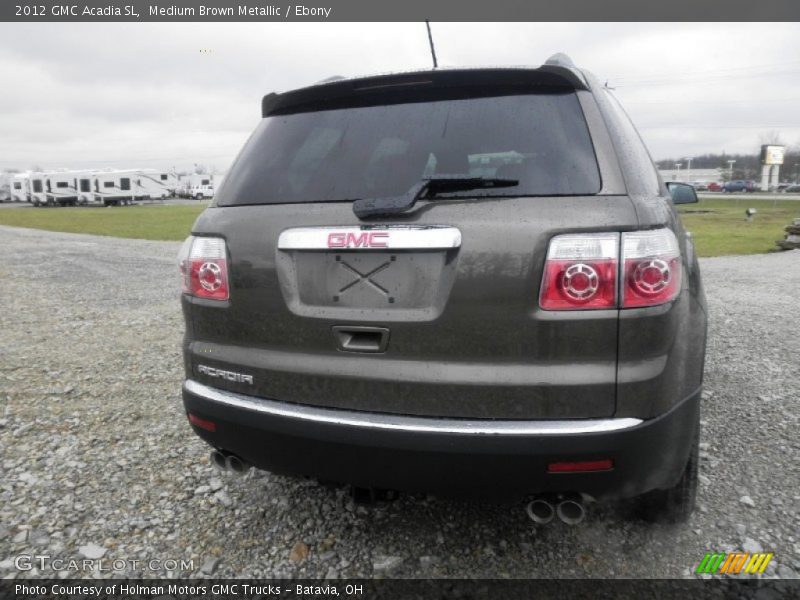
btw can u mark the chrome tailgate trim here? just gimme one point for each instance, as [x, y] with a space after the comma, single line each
[368, 237]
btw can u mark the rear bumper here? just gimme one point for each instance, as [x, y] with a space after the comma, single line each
[453, 457]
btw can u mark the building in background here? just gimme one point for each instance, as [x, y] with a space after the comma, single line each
[693, 176]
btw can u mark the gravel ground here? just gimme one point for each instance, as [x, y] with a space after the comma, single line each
[98, 460]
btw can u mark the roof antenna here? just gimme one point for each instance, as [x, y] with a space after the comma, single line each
[430, 39]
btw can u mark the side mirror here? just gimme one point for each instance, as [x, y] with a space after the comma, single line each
[682, 193]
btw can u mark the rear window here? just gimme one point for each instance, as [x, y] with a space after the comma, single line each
[378, 151]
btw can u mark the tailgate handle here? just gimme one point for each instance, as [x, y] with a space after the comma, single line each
[361, 339]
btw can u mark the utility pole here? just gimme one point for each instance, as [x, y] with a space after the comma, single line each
[689, 168]
[730, 170]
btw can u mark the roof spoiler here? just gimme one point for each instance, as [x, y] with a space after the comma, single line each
[558, 71]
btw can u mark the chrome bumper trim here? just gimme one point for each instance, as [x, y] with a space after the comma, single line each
[384, 421]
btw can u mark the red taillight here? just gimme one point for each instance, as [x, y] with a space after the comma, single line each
[651, 268]
[580, 272]
[204, 268]
[202, 423]
[580, 466]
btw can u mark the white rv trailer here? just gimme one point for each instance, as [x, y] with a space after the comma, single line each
[37, 189]
[61, 188]
[84, 187]
[152, 184]
[81, 187]
[114, 187]
[5, 187]
[20, 187]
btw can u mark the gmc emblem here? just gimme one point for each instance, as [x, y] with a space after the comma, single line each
[365, 239]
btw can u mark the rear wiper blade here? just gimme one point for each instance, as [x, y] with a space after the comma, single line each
[428, 187]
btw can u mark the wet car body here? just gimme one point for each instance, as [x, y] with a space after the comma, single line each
[423, 345]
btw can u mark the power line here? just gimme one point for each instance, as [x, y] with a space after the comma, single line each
[714, 102]
[756, 68]
[709, 79]
[795, 126]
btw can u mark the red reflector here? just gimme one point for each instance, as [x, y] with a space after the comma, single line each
[581, 465]
[202, 423]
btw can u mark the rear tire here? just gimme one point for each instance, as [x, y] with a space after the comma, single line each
[676, 504]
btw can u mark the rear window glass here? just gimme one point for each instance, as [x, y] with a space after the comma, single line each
[378, 151]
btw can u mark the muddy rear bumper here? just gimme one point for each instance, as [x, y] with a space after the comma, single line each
[452, 457]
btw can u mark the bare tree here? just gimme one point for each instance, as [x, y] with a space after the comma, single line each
[771, 138]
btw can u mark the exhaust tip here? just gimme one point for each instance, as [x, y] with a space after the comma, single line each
[218, 460]
[571, 512]
[236, 464]
[540, 511]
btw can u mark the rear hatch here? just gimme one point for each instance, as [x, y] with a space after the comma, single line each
[432, 311]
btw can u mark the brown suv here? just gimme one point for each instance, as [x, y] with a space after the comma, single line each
[468, 281]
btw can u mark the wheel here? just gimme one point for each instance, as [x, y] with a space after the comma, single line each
[36, 203]
[198, 197]
[676, 504]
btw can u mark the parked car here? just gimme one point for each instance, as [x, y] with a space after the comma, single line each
[700, 186]
[793, 189]
[469, 282]
[715, 187]
[739, 185]
[201, 191]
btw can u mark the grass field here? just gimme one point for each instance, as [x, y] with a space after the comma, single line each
[718, 224]
[153, 222]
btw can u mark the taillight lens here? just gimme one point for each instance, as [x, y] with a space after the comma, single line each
[651, 268]
[204, 268]
[581, 272]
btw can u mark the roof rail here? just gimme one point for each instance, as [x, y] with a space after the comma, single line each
[330, 79]
[560, 59]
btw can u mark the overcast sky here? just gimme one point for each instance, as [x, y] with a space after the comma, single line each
[144, 95]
